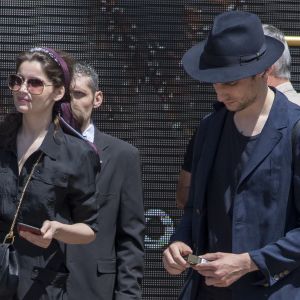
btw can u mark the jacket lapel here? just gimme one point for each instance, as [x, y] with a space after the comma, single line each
[103, 146]
[269, 137]
[204, 166]
[211, 145]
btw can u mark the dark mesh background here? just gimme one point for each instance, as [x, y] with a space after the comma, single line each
[136, 47]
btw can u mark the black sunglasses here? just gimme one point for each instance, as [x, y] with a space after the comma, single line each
[35, 86]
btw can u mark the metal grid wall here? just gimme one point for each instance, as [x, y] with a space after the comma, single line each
[136, 46]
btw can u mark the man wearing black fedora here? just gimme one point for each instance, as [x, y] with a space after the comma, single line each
[243, 213]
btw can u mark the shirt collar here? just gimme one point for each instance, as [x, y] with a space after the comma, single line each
[89, 133]
[50, 144]
[284, 87]
[53, 139]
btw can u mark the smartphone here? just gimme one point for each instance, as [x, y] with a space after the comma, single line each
[194, 259]
[26, 227]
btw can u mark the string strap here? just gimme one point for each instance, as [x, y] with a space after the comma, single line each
[10, 235]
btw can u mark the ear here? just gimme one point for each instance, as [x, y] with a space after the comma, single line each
[271, 80]
[267, 72]
[98, 98]
[59, 93]
[272, 69]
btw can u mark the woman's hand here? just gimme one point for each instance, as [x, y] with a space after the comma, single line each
[43, 240]
[78, 233]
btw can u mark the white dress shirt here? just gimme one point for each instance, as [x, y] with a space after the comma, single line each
[89, 133]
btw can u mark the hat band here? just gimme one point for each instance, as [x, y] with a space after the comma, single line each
[226, 61]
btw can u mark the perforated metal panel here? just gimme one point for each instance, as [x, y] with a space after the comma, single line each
[136, 46]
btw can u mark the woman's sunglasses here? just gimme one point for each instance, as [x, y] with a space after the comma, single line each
[35, 86]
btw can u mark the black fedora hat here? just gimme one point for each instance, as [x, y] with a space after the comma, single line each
[236, 48]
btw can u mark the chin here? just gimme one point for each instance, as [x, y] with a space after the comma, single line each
[22, 110]
[232, 108]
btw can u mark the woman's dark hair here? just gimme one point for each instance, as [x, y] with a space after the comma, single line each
[56, 74]
[51, 67]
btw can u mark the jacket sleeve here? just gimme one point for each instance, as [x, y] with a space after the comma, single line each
[82, 198]
[130, 231]
[278, 259]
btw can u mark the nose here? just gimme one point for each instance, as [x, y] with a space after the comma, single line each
[23, 86]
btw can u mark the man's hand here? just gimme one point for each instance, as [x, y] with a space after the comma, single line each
[223, 269]
[173, 259]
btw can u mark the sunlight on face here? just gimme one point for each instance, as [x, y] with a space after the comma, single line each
[27, 103]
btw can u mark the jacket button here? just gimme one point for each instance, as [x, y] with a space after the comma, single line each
[35, 273]
[276, 277]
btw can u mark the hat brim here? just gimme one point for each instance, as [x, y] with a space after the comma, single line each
[213, 74]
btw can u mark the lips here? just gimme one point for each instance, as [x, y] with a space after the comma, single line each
[23, 100]
[228, 102]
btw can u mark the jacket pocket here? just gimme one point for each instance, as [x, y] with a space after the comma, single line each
[47, 192]
[51, 177]
[106, 266]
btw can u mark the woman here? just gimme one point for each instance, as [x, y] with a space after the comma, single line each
[59, 198]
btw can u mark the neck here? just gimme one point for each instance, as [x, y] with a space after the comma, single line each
[85, 125]
[251, 121]
[33, 127]
[265, 106]
[31, 136]
[275, 81]
[261, 105]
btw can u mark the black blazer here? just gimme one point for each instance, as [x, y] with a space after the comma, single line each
[112, 266]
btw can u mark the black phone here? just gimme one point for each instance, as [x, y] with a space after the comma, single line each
[29, 228]
[194, 259]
